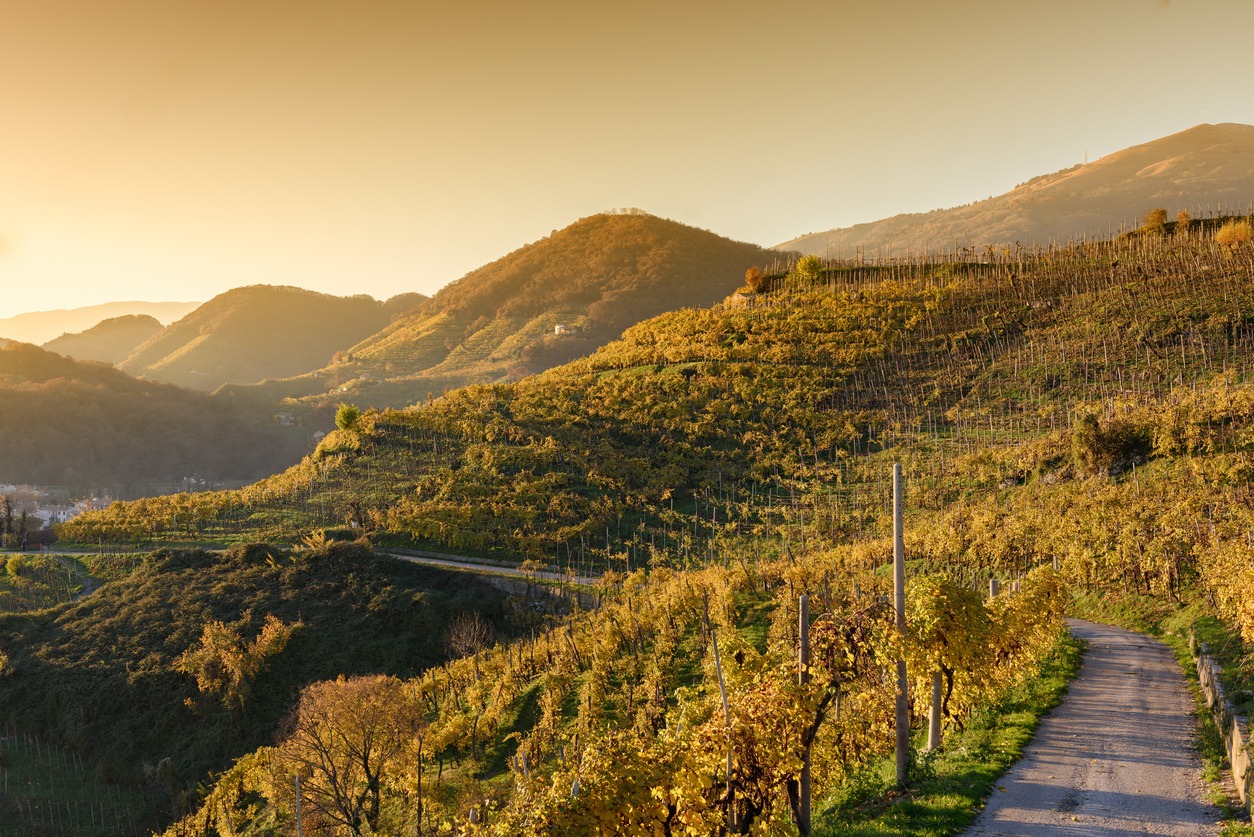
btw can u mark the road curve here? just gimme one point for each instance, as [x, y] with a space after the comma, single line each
[463, 563]
[1116, 758]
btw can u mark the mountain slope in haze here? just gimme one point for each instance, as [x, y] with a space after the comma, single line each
[41, 326]
[1206, 168]
[110, 341]
[90, 427]
[544, 304]
[257, 332]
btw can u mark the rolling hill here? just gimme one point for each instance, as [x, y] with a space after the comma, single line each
[1204, 169]
[705, 403]
[1092, 405]
[41, 326]
[544, 304]
[110, 341]
[128, 704]
[89, 427]
[257, 332]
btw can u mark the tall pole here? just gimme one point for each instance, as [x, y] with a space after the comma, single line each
[899, 604]
[722, 689]
[803, 677]
[299, 831]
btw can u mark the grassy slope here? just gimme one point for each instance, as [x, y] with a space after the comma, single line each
[951, 784]
[98, 675]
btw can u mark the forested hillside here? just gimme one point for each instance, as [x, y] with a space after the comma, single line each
[90, 428]
[500, 322]
[1091, 406]
[110, 341]
[253, 333]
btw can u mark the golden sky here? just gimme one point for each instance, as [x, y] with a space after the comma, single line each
[173, 149]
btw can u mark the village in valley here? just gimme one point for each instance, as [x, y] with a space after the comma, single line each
[28, 513]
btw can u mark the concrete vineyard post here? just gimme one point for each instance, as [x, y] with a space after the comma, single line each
[299, 830]
[934, 718]
[722, 689]
[899, 605]
[803, 677]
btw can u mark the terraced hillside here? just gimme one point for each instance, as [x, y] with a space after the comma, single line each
[701, 420]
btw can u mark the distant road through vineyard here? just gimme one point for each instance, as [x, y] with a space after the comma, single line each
[1116, 758]
[478, 565]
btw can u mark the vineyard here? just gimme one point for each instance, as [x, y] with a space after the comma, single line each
[1028, 371]
[624, 719]
[49, 791]
[1071, 421]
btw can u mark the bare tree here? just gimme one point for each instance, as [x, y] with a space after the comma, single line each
[345, 735]
[468, 634]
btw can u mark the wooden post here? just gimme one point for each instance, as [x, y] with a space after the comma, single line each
[299, 828]
[934, 718]
[722, 689]
[419, 806]
[899, 604]
[803, 677]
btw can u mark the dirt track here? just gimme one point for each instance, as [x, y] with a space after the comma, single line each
[1116, 758]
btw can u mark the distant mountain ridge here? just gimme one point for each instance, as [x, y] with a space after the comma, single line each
[549, 302]
[257, 332]
[110, 341]
[1205, 168]
[39, 327]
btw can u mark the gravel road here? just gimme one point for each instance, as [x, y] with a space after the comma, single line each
[1116, 758]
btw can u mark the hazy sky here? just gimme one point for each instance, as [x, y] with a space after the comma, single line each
[173, 149]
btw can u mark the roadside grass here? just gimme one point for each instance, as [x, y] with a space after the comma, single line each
[947, 788]
[1210, 744]
[1133, 611]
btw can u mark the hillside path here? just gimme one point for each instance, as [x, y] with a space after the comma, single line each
[1116, 758]
[465, 563]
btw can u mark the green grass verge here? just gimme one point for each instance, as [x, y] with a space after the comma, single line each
[948, 788]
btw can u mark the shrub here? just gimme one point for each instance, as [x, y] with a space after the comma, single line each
[347, 416]
[755, 279]
[1155, 221]
[808, 268]
[1111, 448]
[1234, 233]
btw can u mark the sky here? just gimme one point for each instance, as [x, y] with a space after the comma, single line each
[174, 149]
